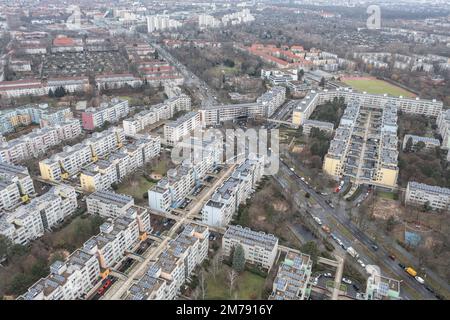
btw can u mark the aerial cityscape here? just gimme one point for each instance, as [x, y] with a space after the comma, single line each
[224, 150]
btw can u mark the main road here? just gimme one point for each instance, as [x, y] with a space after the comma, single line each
[359, 236]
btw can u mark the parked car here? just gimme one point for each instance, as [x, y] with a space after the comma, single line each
[374, 247]
[429, 289]
[356, 287]
[402, 266]
[392, 257]
[361, 263]
[347, 281]
[327, 275]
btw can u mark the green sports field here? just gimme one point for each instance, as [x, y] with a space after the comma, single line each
[376, 86]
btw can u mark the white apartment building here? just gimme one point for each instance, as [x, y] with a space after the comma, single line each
[30, 221]
[69, 280]
[260, 248]
[175, 130]
[161, 22]
[306, 106]
[23, 184]
[443, 124]
[115, 238]
[108, 204]
[291, 282]
[101, 174]
[225, 201]
[139, 121]
[419, 194]
[117, 81]
[73, 158]
[171, 190]
[207, 21]
[164, 278]
[155, 113]
[430, 143]
[111, 112]
[264, 107]
[38, 141]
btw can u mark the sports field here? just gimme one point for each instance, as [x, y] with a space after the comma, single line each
[376, 86]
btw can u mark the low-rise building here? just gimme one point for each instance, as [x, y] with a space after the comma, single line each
[291, 282]
[321, 125]
[420, 194]
[430, 143]
[108, 203]
[260, 248]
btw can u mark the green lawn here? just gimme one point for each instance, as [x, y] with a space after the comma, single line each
[136, 188]
[248, 286]
[376, 86]
[386, 195]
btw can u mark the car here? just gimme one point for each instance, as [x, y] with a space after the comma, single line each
[419, 279]
[392, 257]
[101, 291]
[343, 246]
[347, 281]
[439, 297]
[327, 275]
[314, 281]
[356, 287]
[402, 266]
[292, 169]
[374, 247]
[361, 263]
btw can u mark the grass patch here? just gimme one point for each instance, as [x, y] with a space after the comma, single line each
[248, 286]
[136, 188]
[376, 86]
[387, 195]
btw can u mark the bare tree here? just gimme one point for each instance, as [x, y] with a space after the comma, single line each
[232, 276]
[216, 263]
[202, 281]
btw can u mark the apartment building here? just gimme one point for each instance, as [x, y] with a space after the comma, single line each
[38, 141]
[139, 121]
[443, 124]
[321, 125]
[379, 287]
[225, 201]
[175, 130]
[117, 81]
[264, 107]
[260, 248]
[111, 112]
[115, 238]
[165, 276]
[171, 190]
[101, 174]
[364, 147]
[291, 282]
[69, 280]
[155, 113]
[430, 143]
[420, 194]
[306, 106]
[30, 221]
[108, 203]
[70, 161]
[16, 185]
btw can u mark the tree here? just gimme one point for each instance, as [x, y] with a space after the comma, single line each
[232, 276]
[390, 224]
[311, 249]
[238, 258]
[5, 244]
[216, 262]
[322, 82]
[202, 282]
[427, 206]
[419, 146]
[408, 146]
